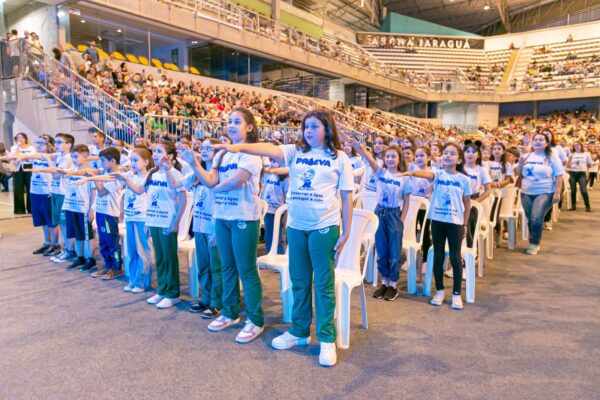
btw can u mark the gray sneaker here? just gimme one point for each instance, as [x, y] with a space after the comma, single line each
[532, 249]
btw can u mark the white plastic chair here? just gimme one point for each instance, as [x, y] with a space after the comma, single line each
[484, 232]
[348, 274]
[491, 239]
[185, 244]
[468, 256]
[410, 243]
[279, 263]
[368, 201]
[509, 213]
[567, 194]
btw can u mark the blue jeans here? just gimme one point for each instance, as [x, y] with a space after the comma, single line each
[388, 242]
[536, 207]
[139, 255]
[269, 223]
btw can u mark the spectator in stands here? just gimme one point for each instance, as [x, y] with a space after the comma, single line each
[14, 51]
[92, 52]
[569, 38]
[5, 171]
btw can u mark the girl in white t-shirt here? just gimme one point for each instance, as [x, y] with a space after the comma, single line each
[235, 181]
[449, 213]
[138, 257]
[274, 189]
[358, 165]
[593, 170]
[500, 170]
[436, 155]
[319, 199]
[577, 165]
[165, 207]
[393, 194]
[480, 184]
[369, 181]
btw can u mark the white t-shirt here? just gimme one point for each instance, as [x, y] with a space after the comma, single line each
[391, 188]
[315, 178]
[95, 164]
[63, 162]
[110, 204]
[24, 150]
[447, 197]
[559, 151]
[134, 207]
[478, 177]
[203, 210]
[243, 203]
[161, 200]
[496, 173]
[580, 162]
[539, 172]
[369, 181]
[41, 182]
[77, 197]
[420, 186]
[273, 191]
[594, 166]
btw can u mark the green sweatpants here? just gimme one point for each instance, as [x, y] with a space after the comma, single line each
[237, 242]
[311, 252]
[209, 271]
[167, 263]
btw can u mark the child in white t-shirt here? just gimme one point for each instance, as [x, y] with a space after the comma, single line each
[274, 189]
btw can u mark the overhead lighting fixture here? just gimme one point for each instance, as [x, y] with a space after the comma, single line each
[119, 31]
[194, 42]
[83, 21]
[60, 14]
[486, 7]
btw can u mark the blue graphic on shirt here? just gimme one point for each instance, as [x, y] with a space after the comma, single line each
[528, 170]
[385, 196]
[131, 200]
[200, 199]
[154, 199]
[307, 179]
[447, 200]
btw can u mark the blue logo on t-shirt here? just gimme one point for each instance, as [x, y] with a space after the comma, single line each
[307, 178]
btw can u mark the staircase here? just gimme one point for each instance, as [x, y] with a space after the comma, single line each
[521, 63]
[509, 66]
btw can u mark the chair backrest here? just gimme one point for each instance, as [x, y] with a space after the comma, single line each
[366, 201]
[509, 198]
[480, 215]
[186, 217]
[276, 227]
[495, 208]
[349, 258]
[488, 206]
[410, 222]
[264, 207]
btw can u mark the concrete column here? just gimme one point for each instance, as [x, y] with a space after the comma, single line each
[275, 9]
[535, 109]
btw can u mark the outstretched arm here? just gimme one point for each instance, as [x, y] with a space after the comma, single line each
[255, 149]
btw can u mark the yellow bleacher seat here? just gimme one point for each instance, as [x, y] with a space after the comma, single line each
[103, 54]
[132, 58]
[118, 56]
[194, 71]
[143, 60]
[156, 62]
[81, 48]
[174, 67]
[69, 46]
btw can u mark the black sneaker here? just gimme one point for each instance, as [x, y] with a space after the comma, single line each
[76, 264]
[42, 249]
[380, 292]
[210, 313]
[390, 293]
[52, 251]
[89, 265]
[197, 307]
[71, 255]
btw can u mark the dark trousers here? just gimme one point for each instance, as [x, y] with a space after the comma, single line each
[426, 231]
[592, 178]
[22, 201]
[440, 232]
[109, 241]
[576, 178]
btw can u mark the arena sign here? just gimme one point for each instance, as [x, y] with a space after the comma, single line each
[391, 41]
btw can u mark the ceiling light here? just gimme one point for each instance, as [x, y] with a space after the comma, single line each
[194, 42]
[60, 14]
[486, 7]
[83, 21]
[119, 31]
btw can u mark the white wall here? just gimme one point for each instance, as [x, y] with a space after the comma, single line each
[469, 115]
[544, 36]
[42, 20]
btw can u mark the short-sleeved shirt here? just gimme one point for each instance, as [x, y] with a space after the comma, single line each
[539, 172]
[478, 177]
[77, 197]
[58, 184]
[580, 162]
[496, 173]
[370, 178]
[273, 191]
[203, 210]
[134, 205]
[447, 197]
[243, 203]
[315, 179]
[161, 201]
[41, 182]
[391, 188]
[420, 186]
[110, 204]
[24, 150]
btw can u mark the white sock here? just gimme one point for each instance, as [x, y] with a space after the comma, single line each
[392, 284]
[384, 281]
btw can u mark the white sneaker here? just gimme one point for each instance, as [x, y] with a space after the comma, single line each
[127, 288]
[449, 273]
[287, 341]
[438, 298]
[547, 226]
[155, 299]
[221, 323]
[457, 303]
[532, 249]
[137, 290]
[167, 302]
[60, 257]
[249, 332]
[328, 355]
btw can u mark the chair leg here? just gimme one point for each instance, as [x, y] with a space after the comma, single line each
[125, 255]
[490, 244]
[363, 305]
[375, 273]
[287, 297]
[193, 275]
[428, 274]
[470, 278]
[411, 276]
[481, 249]
[511, 233]
[343, 312]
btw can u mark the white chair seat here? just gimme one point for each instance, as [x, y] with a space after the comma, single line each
[273, 261]
[352, 278]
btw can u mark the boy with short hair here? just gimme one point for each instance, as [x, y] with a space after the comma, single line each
[108, 203]
[63, 143]
[78, 209]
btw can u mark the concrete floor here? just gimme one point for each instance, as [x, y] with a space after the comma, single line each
[533, 333]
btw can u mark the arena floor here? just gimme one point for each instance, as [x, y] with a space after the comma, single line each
[533, 333]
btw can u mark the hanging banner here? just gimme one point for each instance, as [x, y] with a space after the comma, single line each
[392, 41]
